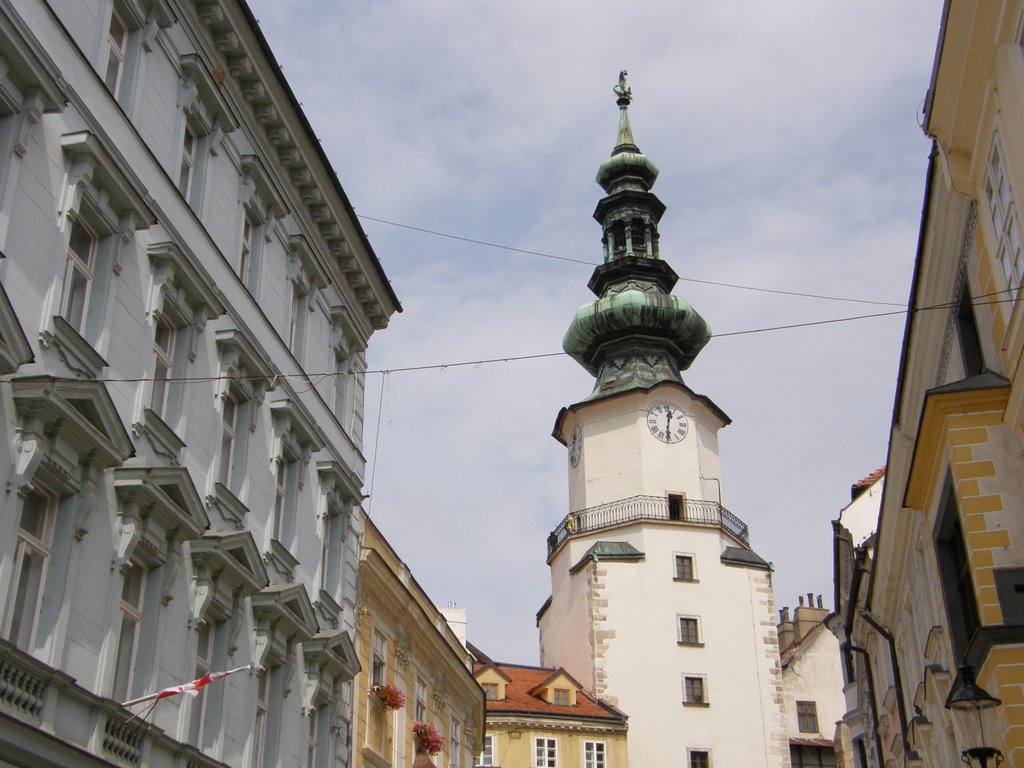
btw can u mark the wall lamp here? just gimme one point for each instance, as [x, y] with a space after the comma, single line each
[974, 709]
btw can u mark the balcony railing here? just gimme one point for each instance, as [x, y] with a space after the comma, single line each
[634, 508]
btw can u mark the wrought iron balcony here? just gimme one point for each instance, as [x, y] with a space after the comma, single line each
[634, 508]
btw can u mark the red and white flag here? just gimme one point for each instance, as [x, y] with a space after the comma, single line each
[191, 689]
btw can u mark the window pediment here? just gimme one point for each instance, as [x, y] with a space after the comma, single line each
[307, 268]
[331, 654]
[26, 71]
[225, 564]
[283, 615]
[179, 282]
[94, 171]
[296, 425]
[984, 393]
[242, 358]
[14, 345]
[201, 94]
[76, 421]
[74, 350]
[258, 189]
[162, 500]
[344, 338]
[339, 483]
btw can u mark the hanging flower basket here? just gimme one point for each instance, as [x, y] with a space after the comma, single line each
[427, 738]
[390, 696]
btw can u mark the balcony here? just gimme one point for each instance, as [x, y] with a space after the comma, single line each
[644, 508]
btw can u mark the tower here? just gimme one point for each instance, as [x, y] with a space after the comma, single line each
[658, 604]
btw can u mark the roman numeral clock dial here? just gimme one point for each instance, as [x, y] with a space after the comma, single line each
[667, 423]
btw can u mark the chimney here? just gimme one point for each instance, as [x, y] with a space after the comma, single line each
[785, 630]
[808, 616]
[456, 618]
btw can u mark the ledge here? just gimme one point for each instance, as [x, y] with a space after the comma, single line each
[77, 353]
[161, 437]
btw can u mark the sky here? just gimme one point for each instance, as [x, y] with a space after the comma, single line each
[791, 161]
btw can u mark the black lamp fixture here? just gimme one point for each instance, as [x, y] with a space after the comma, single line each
[968, 701]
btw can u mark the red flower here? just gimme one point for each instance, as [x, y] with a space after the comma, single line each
[427, 737]
[390, 696]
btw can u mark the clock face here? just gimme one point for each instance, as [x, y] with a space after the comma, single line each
[575, 445]
[667, 422]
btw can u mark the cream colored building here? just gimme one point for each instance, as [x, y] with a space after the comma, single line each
[947, 561]
[404, 640]
[860, 641]
[537, 714]
[812, 687]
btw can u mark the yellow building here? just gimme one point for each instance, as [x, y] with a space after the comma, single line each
[403, 640]
[947, 564]
[541, 718]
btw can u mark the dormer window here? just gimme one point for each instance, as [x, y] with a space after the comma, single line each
[561, 697]
[490, 691]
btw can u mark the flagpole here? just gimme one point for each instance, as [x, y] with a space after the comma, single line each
[174, 690]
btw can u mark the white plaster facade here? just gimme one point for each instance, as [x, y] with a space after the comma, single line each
[613, 619]
[812, 687]
[176, 494]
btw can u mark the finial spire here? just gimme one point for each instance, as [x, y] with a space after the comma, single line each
[637, 333]
[625, 97]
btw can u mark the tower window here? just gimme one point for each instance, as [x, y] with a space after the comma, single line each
[689, 630]
[676, 506]
[694, 690]
[684, 568]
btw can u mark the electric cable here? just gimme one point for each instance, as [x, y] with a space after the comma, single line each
[307, 377]
[739, 286]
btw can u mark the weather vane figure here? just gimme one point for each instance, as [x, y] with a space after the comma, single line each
[623, 91]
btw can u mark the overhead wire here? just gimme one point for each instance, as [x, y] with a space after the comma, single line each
[542, 254]
[308, 377]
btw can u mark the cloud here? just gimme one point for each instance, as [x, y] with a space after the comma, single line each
[790, 159]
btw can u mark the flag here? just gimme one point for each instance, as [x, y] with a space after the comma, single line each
[191, 689]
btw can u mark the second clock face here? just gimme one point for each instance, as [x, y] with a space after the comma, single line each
[575, 445]
[667, 422]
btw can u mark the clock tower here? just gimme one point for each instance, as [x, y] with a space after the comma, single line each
[658, 603]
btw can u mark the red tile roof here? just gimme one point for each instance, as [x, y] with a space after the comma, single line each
[866, 482]
[523, 680]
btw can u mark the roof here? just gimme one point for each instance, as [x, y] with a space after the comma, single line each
[866, 482]
[519, 699]
[802, 742]
[794, 648]
[748, 557]
[609, 550]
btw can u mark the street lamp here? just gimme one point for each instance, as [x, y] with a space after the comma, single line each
[967, 697]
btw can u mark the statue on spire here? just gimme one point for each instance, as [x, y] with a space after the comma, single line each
[623, 91]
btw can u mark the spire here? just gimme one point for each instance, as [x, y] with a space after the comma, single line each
[636, 334]
[625, 94]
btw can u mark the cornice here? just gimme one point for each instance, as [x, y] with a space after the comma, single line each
[259, 88]
[989, 396]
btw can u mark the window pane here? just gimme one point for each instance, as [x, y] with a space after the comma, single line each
[26, 596]
[131, 587]
[82, 244]
[125, 658]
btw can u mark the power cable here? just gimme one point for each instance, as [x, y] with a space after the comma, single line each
[739, 286]
[309, 376]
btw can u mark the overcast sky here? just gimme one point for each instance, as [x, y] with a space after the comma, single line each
[791, 159]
